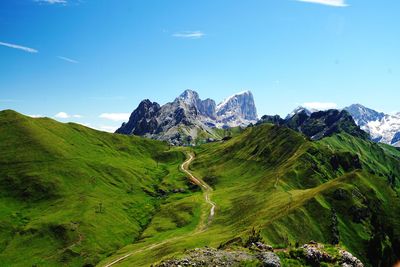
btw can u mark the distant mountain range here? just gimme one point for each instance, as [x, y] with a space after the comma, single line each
[319, 124]
[188, 119]
[382, 127]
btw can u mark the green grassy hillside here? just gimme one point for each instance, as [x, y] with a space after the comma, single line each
[341, 189]
[74, 196]
[70, 195]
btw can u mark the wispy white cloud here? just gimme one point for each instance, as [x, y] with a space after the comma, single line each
[320, 105]
[63, 2]
[189, 34]
[20, 47]
[336, 3]
[64, 115]
[70, 60]
[35, 116]
[115, 116]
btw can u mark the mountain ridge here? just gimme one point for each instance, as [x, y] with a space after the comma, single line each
[188, 118]
[384, 128]
[191, 120]
[319, 124]
[381, 127]
[71, 195]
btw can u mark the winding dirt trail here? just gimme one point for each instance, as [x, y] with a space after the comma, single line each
[207, 191]
[206, 188]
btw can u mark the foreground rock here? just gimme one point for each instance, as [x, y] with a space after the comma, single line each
[259, 254]
[348, 260]
[314, 254]
[269, 259]
[210, 257]
[216, 257]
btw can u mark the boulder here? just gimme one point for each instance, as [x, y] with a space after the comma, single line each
[270, 259]
[348, 260]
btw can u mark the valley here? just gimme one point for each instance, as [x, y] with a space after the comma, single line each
[202, 224]
[199, 133]
[88, 198]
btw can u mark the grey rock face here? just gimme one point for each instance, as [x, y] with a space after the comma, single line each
[207, 108]
[396, 138]
[239, 105]
[363, 115]
[183, 120]
[189, 97]
[204, 107]
[142, 120]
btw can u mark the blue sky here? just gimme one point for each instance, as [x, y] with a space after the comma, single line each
[91, 61]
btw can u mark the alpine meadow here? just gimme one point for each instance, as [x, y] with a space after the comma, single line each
[107, 159]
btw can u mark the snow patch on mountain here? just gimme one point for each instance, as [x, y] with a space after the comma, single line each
[363, 115]
[382, 127]
[384, 130]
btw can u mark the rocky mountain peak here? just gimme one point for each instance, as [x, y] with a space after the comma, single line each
[334, 121]
[240, 104]
[298, 110]
[382, 127]
[362, 115]
[320, 124]
[142, 119]
[207, 108]
[190, 97]
[148, 105]
[204, 107]
[189, 116]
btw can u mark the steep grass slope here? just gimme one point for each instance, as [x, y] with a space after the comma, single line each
[339, 190]
[70, 195]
